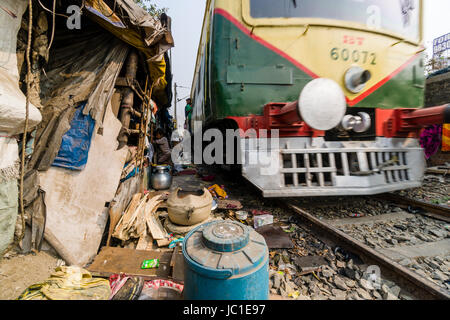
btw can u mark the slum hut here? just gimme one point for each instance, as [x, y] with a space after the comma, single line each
[98, 81]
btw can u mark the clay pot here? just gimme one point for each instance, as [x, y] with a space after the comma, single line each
[188, 208]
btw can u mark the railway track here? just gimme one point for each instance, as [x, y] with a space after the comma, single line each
[429, 209]
[336, 231]
[341, 233]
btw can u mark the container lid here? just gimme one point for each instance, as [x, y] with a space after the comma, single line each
[226, 236]
[224, 245]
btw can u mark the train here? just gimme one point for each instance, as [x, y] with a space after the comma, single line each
[338, 85]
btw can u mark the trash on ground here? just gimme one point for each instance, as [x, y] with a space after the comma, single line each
[186, 172]
[174, 243]
[218, 191]
[229, 204]
[259, 212]
[262, 220]
[69, 283]
[275, 237]
[124, 287]
[160, 289]
[150, 264]
[309, 264]
[241, 215]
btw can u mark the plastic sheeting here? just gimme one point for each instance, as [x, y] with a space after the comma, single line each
[9, 172]
[12, 99]
[80, 68]
[69, 283]
[75, 144]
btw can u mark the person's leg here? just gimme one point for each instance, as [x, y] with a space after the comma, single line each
[164, 158]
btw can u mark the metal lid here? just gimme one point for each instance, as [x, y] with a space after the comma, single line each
[223, 248]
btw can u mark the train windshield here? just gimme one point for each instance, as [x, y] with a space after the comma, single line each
[399, 16]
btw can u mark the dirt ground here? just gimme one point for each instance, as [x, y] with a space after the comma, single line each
[20, 271]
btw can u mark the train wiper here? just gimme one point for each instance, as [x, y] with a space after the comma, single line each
[295, 3]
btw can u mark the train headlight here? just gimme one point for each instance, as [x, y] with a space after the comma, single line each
[356, 79]
[322, 104]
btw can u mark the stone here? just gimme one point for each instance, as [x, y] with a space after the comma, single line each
[302, 297]
[405, 296]
[438, 275]
[371, 243]
[392, 241]
[395, 290]
[422, 237]
[340, 284]
[354, 296]
[319, 297]
[388, 283]
[298, 281]
[327, 273]
[365, 284]
[377, 295]
[339, 294]
[405, 262]
[389, 296]
[277, 280]
[400, 226]
[421, 272]
[433, 264]
[437, 233]
[402, 238]
[350, 273]
[273, 291]
[350, 283]
[350, 264]
[340, 264]
[270, 284]
[364, 294]
[314, 290]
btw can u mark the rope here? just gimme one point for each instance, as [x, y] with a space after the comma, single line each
[58, 14]
[24, 139]
[53, 28]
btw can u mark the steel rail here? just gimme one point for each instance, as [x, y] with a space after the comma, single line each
[433, 210]
[405, 278]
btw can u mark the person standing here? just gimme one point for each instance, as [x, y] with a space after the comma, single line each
[164, 153]
[188, 114]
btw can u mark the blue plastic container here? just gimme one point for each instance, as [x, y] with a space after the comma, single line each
[225, 260]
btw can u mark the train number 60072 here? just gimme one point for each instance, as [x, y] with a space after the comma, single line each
[355, 55]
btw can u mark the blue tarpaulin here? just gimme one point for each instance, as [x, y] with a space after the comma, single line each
[74, 150]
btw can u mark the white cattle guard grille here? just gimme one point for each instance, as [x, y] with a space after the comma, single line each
[315, 167]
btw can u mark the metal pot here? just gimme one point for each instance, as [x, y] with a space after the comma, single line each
[161, 179]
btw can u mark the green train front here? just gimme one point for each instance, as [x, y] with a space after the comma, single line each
[352, 65]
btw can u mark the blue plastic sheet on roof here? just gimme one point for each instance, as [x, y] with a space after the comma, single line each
[75, 144]
[442, 71]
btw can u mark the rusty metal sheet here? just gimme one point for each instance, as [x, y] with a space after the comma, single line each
[275, 237]
[113, 260]
[309, 264]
